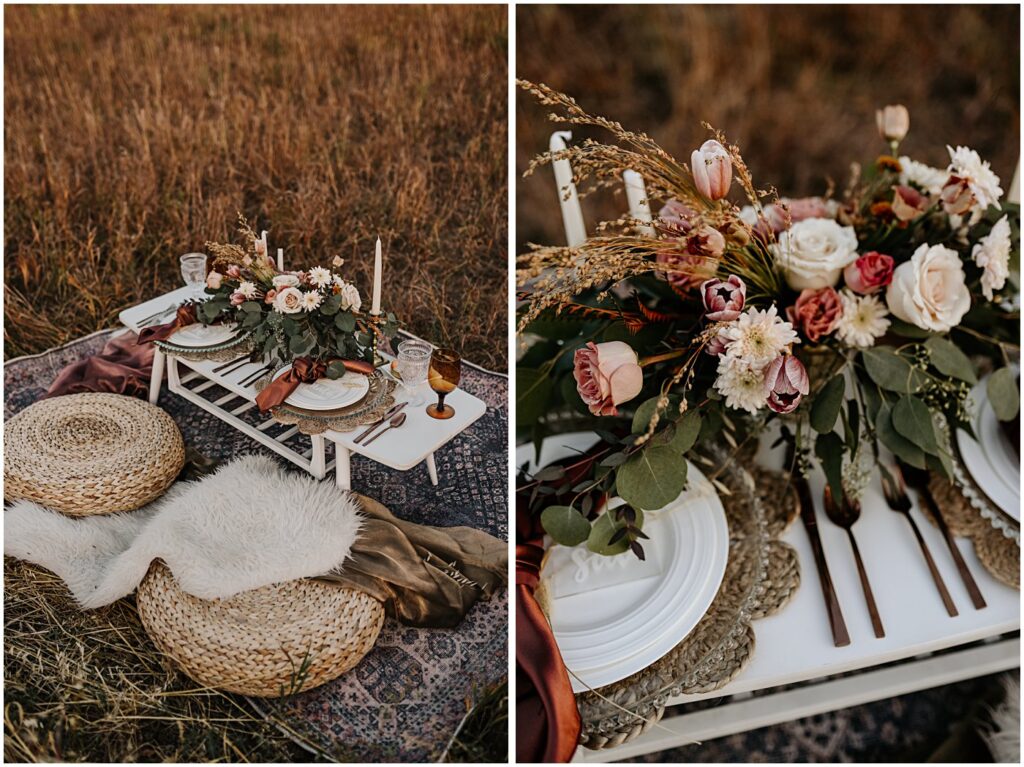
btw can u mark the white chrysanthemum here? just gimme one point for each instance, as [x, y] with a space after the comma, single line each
[925, 177]
[741, 384]
[983, 183]
[865, 319]
[311, 301]
[992, 254]
[757, 337]
[247, 289]
[319, 276]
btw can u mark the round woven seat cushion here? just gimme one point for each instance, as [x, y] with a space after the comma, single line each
[272, 641]
[88, 454]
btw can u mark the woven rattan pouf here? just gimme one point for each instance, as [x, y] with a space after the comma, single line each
[88, 454]
[268, 642]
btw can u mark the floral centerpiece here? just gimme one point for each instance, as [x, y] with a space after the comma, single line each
[862, 319]
[313, 313]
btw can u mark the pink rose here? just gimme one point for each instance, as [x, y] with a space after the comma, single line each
[869, 273]
[711, 166]
[214, 280]
[269, 298]
[908, 203]
[234, 271]
[785, 383]
[607, 375]
[693, 258]
[816, 312]
[723, 301]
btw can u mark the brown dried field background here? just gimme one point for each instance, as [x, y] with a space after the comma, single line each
[795, 87]
[135, 134]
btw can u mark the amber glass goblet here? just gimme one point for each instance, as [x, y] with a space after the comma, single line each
[443, 377]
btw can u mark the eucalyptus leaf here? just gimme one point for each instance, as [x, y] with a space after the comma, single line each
[345, 322]
[1004, 394]
[652, 478]
[290, 326]
[602, 531]
[901, 328]
[829, 449]
[565, 525]
[687, 431]
[335, 370]
[643, 414]
[913, 420]
[825, 409]
[949, 360]
[900, 446]
[892, 371]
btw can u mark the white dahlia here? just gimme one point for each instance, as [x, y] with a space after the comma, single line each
[757, 337]
[864, 320]
[992, 254]
[741, 384]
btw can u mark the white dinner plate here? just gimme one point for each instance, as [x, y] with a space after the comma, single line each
[326, 394]
[198, 335]
[614, 616]
[990, 460]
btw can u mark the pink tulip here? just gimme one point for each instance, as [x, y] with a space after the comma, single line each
[723, 301]
[893, 122]
[869, 273]
[607, 375]
[785, 383]
[677, 217]
[234, 271]
[237, 299]
[269, 297]
[711, 166]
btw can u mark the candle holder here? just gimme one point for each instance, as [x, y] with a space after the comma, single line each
[375, 321]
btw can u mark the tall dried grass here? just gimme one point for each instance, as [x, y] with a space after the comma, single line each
[794, 86]
[135, 134]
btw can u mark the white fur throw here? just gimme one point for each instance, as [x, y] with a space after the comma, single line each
[248, 525]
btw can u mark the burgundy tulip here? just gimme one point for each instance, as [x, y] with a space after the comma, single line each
[785, 383]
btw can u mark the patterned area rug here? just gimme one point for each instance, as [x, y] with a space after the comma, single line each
[406, 699]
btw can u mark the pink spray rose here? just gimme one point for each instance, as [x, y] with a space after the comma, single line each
[908, 203]
[798, 210]
[723, 301]
[816, 312]
[785, 383]
[607, 375]
[214, 280]
[269, 297]
[869, 273]
[711, 166]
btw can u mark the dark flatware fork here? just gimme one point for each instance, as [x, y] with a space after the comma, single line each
[898, 500]
[844, 515]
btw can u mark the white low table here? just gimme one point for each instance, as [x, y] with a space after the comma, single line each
[402, 449]
[795, 645]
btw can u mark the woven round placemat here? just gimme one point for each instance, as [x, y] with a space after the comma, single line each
[222, 352]
[86, 454]
[273, 641]
[761, 576]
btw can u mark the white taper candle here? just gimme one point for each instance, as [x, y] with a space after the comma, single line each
[280, 259]
[378, 266]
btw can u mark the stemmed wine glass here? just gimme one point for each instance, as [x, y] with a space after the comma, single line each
[412, 364]
[193, 271]
[443, 375]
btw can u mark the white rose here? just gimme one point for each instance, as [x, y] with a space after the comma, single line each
[288, 300]
[930, 290]
[285, 281]
[813, 252]
[350, 298]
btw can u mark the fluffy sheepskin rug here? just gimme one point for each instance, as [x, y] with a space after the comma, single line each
[1003, 736]
[248, 525]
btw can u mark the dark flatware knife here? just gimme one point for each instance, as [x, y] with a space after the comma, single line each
[387, 416]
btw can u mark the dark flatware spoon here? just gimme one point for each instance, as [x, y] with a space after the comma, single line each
[845, 515]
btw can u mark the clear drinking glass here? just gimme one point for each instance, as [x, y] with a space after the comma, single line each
[412, 364]
[193, 271]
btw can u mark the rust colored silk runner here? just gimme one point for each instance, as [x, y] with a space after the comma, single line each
[122, 367]
[303, 370]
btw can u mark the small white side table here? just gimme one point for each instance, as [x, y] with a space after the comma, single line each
[402, 449]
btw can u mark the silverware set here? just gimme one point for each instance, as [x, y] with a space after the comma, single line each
[846, 514]
[155, 319]
[390, 417]
[240, 362]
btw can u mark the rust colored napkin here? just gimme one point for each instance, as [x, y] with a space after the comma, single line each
[304, 370]
[186, 315]
[547, 719]
[122, 367]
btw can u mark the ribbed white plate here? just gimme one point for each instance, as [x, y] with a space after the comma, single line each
[639, 610]
[326, 394]
[990, 459]
[199, 335]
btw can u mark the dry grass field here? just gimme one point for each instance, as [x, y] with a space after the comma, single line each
[795, 87]
[135, 134]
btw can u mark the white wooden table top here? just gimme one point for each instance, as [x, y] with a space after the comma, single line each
[401, 448]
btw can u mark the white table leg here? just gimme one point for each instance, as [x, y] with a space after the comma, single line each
[318, 461]
[156, 378]
[432, 469]
[342, 469]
